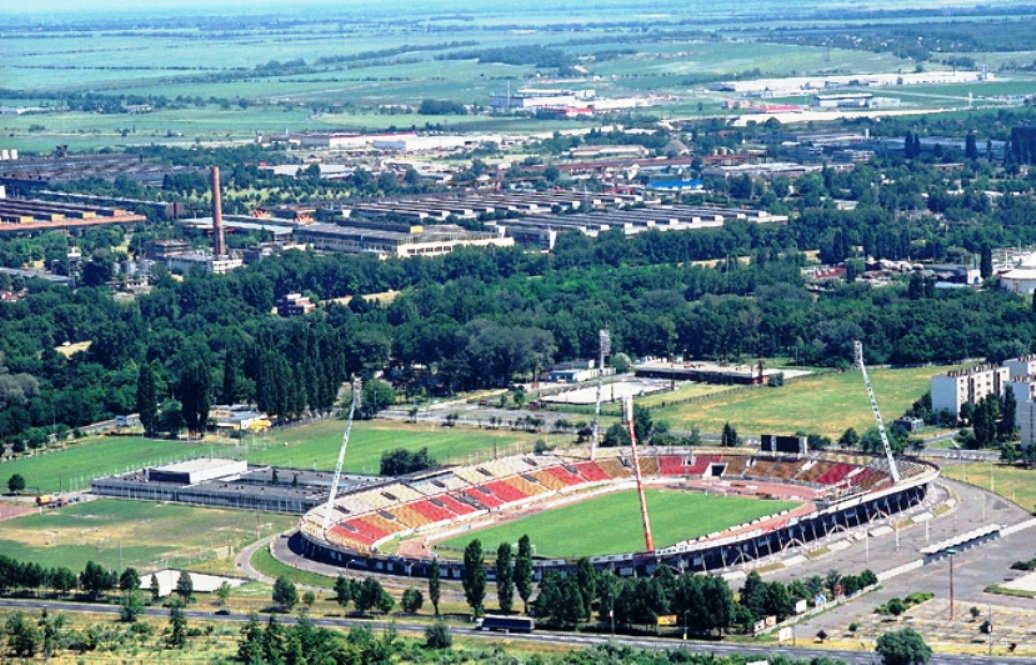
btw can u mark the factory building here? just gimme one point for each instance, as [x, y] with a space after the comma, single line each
[417, 240]
[954, 389]
[533, 99]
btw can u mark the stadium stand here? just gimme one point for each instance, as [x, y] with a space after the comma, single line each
[506, 493]
[835, 473]
[591, 471]
[523, 485]
[701, 464]
[649, 466]
[671, 465]
[548, 479]
[565, 476]
[483, 497]
[613, 467]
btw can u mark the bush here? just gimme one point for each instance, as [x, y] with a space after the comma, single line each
[853, 627]
[903, 647]
[437, 636]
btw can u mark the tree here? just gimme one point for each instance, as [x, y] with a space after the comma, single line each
[377, 395]
[400, 461]
[185, 587]
[129, 580]
[1006, 427]
[308, 599]
[728, 439]
[177, 637]
[193, 391]
[437, 636]
[250, 646]
[16, 483]
[586, 583]
[285, 595]
[903, 647]
[412, 600]
[343, 591]
[23, 638]
[228, 393]
[434, 586]
[147, 398]
[223, 593]
[371, 595]
[130, 606]
[849, 439]
[971, 146]
[95, 580]
[985, 264]
[504, 578]
[523, 571]
[473, 576]
[155, 590]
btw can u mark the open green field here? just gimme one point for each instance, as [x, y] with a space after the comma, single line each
[1010, 482]
[315, 445]
[143, 534]
[75, 466]
[610, 524]
[827, 403]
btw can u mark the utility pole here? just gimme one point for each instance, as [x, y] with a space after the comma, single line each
[951, 552]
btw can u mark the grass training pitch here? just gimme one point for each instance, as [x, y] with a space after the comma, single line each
[117, 533]
[75, 466]
[315, 445]
[610, 524]
[825, 403]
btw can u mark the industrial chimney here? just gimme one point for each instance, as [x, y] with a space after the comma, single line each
[218, 248]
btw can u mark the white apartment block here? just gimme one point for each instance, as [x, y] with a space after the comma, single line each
[1023, 366]
[1024, 389]
[952, 390]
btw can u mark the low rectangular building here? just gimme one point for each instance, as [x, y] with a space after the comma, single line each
[196, 471]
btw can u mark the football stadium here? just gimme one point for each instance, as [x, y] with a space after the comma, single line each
[707, 510]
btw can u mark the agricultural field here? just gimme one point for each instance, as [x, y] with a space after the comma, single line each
[73, 467]
[315, 445]
[1011, 482]
[117, 533]
[675, 516]
[827, 403]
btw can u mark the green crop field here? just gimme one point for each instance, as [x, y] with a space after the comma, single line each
[827, 403]
[610, 524]
[75, 466]
[315, 446]
[118, 533]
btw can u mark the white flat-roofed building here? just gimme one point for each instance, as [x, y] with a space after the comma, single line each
[434, 240]
[954, 389]
[192, 472]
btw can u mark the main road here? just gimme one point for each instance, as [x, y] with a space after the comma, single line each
[573, 640]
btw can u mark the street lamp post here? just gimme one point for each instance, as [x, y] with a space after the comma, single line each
[952, 551]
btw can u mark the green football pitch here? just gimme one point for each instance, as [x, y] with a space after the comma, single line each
[610, 524]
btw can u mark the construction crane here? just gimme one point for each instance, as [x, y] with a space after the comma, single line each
[858, 354]
[328, 509]
[649, 541]
[605, 343]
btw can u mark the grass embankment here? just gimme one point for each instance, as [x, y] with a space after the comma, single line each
[117, 534]
[610, 524]
[827, 403]
[1010, 482]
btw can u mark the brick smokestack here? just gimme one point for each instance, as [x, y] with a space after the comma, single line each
[218, 248]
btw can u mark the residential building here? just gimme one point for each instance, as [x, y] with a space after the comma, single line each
[1024, 389]
[294, 304]
[204, 261]
[954, 389]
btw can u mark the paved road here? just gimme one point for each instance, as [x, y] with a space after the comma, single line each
[542, 637]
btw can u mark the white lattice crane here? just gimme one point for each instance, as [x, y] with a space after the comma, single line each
[329, 508]
[858, 354]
